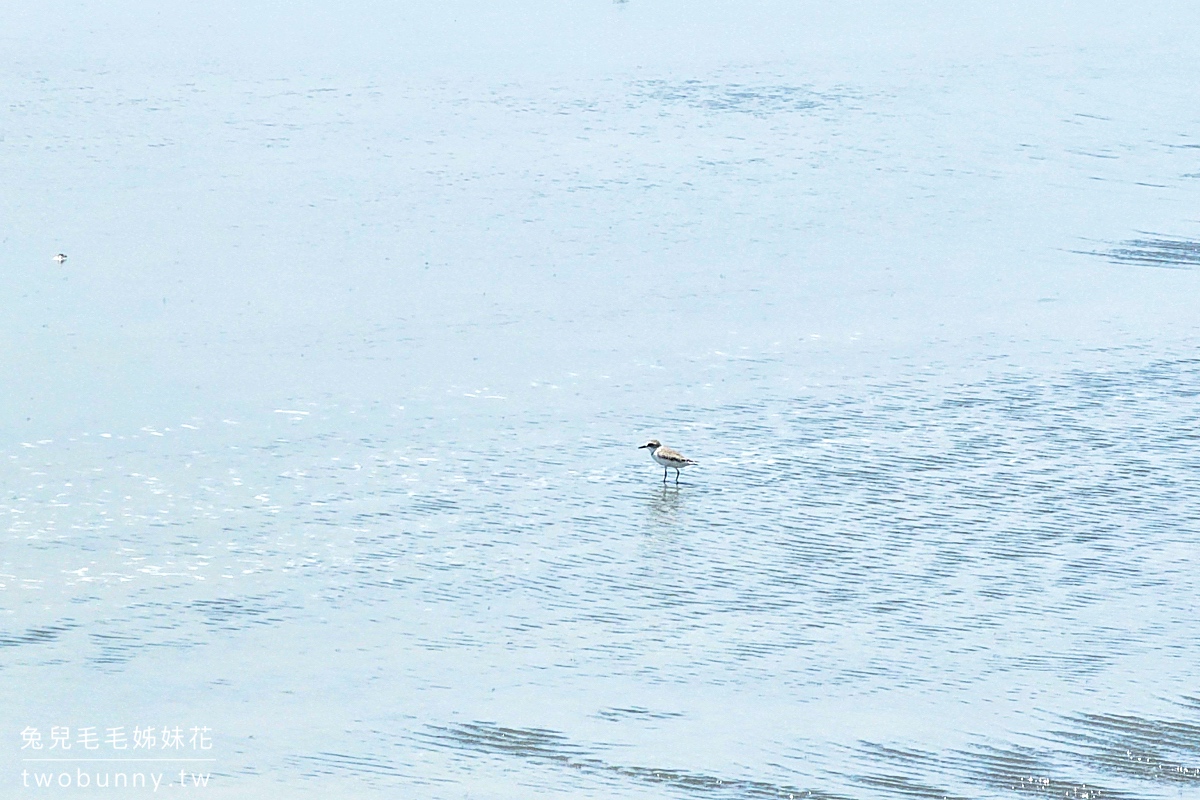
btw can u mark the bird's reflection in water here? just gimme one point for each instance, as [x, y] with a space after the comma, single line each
[664, 503]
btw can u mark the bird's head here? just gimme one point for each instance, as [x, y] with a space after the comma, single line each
[653, 444]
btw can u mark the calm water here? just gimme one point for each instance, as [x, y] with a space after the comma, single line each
[321, 446]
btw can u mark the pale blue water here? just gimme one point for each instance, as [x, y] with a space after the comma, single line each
[324, 437]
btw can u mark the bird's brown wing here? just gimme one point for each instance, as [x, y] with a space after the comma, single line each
[666, 452]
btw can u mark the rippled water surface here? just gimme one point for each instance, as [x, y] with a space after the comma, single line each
[324, 438]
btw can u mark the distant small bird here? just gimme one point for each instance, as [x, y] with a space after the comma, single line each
[668, 458]
[60, 258]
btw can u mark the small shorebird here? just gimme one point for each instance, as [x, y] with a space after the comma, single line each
[669, 458]
[60, 258]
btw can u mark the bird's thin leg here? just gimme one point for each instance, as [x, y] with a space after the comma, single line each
[677, 475]
[664, 474]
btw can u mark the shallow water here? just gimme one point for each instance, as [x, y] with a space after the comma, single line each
[324, 437]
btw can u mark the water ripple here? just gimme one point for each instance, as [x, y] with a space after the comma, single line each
[551, 747]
